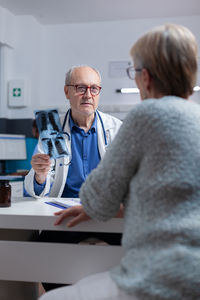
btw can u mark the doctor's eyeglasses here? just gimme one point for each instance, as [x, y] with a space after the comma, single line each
[131, 72]
[82, 89]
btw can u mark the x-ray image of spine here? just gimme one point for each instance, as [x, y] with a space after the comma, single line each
[51, 135]
[59, 147]
[52, 121]
[50, 147]
[43, 122]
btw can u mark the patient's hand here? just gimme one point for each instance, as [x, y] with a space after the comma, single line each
[77, 212]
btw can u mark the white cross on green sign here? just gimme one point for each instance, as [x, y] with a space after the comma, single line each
[17, 92]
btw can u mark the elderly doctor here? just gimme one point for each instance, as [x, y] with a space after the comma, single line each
[88, 133]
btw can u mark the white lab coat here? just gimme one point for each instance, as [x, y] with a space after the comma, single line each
[57, 178]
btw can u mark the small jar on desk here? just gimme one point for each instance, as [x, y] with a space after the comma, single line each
[5, 193]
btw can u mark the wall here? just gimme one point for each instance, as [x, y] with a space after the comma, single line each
[42, 54]
[21, 58]
[97, 44]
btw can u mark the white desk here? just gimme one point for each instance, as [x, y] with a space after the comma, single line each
[62, 263]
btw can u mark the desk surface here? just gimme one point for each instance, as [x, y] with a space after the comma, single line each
[25, 260]
[31, 213]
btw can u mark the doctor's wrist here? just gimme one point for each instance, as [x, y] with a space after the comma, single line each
[40, 179]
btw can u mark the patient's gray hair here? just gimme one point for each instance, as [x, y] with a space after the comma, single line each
[68, 75]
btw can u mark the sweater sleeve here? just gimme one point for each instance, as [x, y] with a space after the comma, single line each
[107, 186]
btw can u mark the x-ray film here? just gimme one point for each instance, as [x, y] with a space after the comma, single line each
[51, 135]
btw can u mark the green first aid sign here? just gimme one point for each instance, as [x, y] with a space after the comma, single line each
[16, 92]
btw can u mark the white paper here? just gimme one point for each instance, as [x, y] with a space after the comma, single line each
[67, 202]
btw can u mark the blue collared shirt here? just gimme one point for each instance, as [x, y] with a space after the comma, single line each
[85, 158]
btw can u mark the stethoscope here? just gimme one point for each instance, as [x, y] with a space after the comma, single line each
[68, 135]
[65, 119]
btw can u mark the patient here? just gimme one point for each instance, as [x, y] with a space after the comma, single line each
[155, 173]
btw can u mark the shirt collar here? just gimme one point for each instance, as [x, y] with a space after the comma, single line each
[72, 125]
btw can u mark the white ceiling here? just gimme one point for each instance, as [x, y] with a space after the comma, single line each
[78, 11]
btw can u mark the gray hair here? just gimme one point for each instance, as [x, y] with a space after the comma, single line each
[169, 53]
[68, 75]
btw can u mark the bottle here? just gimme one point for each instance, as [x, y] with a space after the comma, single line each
[5, 193]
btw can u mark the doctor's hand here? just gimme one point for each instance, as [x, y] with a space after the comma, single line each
[77, 212]
[41, 164]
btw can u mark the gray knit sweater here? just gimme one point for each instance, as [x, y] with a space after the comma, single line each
[153, 168]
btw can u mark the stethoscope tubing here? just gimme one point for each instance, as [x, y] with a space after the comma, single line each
[104, 132]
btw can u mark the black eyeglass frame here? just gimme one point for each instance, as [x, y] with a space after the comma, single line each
[87, 87]
[128, 71]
